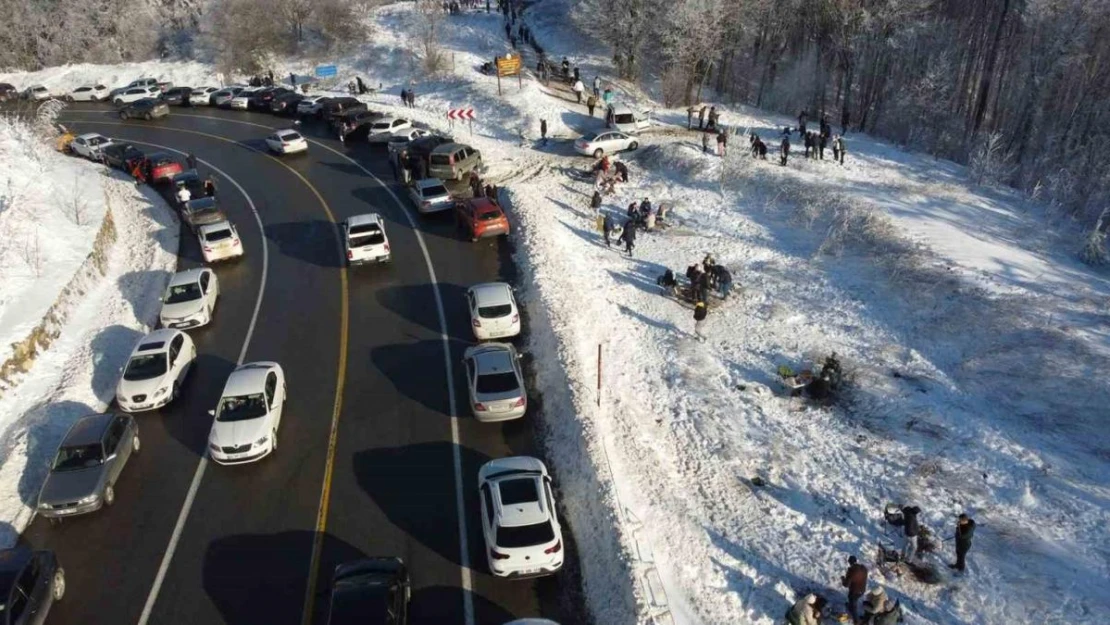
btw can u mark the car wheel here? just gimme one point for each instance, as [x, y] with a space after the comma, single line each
[123, 115]
[148, 117]
[109, 495]
[59, 583]
[633, 145]
[118, 102]
[136, 445]
[598, 152]
[175, 392]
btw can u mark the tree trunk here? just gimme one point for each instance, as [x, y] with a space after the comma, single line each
[988, 69]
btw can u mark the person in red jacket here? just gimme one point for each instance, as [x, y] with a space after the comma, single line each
[855, 580]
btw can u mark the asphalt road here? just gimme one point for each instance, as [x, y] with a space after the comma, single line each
[244, 554]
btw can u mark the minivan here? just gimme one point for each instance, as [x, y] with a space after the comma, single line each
[625, 119]
[453, 161]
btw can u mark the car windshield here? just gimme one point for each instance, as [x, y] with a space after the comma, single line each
[206, 212]
[496, 383]
[589, 136]
[626, 118]
[495, 312]
[290, 136]
[520, 490]
[82, 89]
[218, 235]
[489, 215]
[525, 535]
[97, 140]
[145, 367]
[434, 191]
[78, 457]
[183, 293]
[381, 126]
[242, 408]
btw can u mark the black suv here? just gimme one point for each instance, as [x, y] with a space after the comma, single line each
[30, 582]
[374, 591]
[260, 100]
[177, 96]
[286, 104]
[122, 156]
[355, 123]
[340, 106]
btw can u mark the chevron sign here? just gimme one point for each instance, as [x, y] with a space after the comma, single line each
[460, 114]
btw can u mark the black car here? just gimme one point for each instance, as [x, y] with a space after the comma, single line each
[147, 108]
[374, 591]
[261, 100]
[286, 104]
[122, 155]
[30, 582]
[340, 106]
[356, 124]
[178, 96]
[191, 179]
[422, 148]
[7, 92]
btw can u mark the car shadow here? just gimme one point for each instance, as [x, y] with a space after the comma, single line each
[136, 288]
[416, 303]
[45, 426]
[312, 241]
[409, 367]
[111, 348]
[436, 605]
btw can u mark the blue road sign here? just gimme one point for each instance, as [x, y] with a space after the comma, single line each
[326, 71]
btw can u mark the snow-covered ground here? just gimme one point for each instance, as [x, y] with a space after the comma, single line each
[98, 281]
[972, 341]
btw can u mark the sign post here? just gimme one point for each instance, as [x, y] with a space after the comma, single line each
[507, 66]
[467, 113]
[326, 71]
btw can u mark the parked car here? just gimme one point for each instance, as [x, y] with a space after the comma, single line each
[122, 155]
[598, 144]
[286, 141]
[240, 102]
[402, 138]
[88, 464]
[223, 97]
[383, 129]
[365, 240]
[135, 94]
[8, 92]
[354, 124]
[190, 299]
[481, 217]
[286, 104]
[147, 108]
[89, 145]
[219, 241]
[519, 522]
[156, 370]
[162, 167]
[493, 311]
[372, 591]
[146, 83]
[494, 382]
[30, 583]
[202, 96]
[453, 161]
[261, 100]
[36, 93]
[430, 195]
[311, 105]
[625, 119]
[191, 180]
[248, 414]
[335, 107]
[89, 93]
[202, 211]
[177, 96]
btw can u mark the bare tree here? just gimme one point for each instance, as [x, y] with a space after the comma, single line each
[74, 205]
[427, 24]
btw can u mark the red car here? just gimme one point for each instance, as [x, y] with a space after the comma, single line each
[162, 167]
[480, 218]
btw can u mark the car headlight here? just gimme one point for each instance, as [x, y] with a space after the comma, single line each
[90, 499]
[121, 398]
[160, 392]
[44, 506]
[213, 446]
[262, 441]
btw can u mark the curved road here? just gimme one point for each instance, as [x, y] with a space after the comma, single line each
[245, 550]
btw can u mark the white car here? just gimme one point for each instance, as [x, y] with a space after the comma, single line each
[365, 240]
[382, 130]
[134, 94]
[598, 144]
[286, 142]
[248, 415]
[219, 241]
[430, 195]
[156, 370]
[202, 96]
[400, 139]
[190, 299]
[240, 102]
[495, 382]
[89, 93]
[225, 95]
[519, 522]
[89, 145]
[37, 93]
[493, 311]
[311, 105]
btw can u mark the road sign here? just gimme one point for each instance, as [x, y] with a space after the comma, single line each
[508, 65]
[460, 113]
[326, 71]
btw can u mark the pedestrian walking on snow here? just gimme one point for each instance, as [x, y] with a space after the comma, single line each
[597, 86]
[412, 98]
[629, 236]
[607, 226]
[802, 118]
[822, 140]
[910, 529]
[566, 68]
[190, 161]
[724, 280]
[965, 531]
[855, 580]
[700, 313]
[404, 97]
[804, 610]
[595, 201]
[293, 79]
[784, 149]
[712, 118]
[808, 140]
[591, 102]
[720, 144]
[577, 78]
[578, 89]
[838, 149]
[543, 131]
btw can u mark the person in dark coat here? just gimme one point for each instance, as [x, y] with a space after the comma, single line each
[412, 98]
[475, 184]
[209, 187]
[701, 118]
[629, 236]
[607, 226]
[784, 150]
[591, 102]
[576, 75]
[622, 171]
[808, 139]
[361, 85]
[838, 149]
[595, 201]
[633, 211]
[712, 118]
[822, 141]
[911, 527]
[965, 531]
[293, 79]
[724, 280]
[762, 147]
[190, 161]
[405, 97]
[543, 130]
[803, 117]
[855, 580]
[720, 144]
[566, 68]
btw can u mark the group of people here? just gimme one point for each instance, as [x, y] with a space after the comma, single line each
[266, 80]
[408, 98]
[357, 86]
[607, 175]
[816, 142]
[713, 118]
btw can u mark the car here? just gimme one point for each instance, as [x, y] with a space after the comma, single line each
[135, 94]
[219, 241]
[202, 96]
[311, 105]
[8, 92]
[191, 180]
[36, 93]
[202, 211]
[481, 217]
[89, 145]
[122, 155]
[30, 583]
[430, 195]
[354, 124]
[147, 108]
[286, 104]
[494, 382]
[382, 130]
[156, 370]
[625, 119]
[336, 107]
[190, 299]
[365, 240]
[261, 100]
[93, 453]
[453, 161]
[286, 141]
[248, 414]
[145, 83]
[402, 138]
[598, 144]
[519, 522]
[372, 591]
[162, 167]
[177, 96]
[493, 311]
[240, 102]
[223, 97]
[88, 93]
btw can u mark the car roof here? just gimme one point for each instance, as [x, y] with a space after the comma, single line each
[483, 204]
[188, 276]
[90, 135]
[492, 293]
[12, 562]
[447, 147]
[88, 430]
[161, 337]
[159, 156]
[247, 379]
[424, 183]
[367, 218]
[286, 131]
[202, 202]
[219, 225]
[492, 357]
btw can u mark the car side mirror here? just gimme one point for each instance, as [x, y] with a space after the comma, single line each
[211, 413]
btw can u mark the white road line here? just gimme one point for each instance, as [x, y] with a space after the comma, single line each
[179, 527]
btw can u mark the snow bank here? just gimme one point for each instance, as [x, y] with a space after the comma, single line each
[63, 79]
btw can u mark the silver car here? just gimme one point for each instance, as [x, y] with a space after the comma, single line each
[495, 382]
[90, 459]
[430, 195]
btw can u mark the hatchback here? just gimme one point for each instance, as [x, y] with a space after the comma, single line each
[286, 142]
[190, 299]
[89, 461]
[521, 530]
[156, 370]
[493, 311]
[374, 591]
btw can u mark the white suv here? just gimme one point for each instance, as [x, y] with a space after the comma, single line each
[365, 240]
[519, 524]
[135, 94]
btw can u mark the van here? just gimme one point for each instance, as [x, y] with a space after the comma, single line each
[625, 119]
[453, 161]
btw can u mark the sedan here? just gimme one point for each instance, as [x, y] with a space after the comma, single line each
[495, 382]
[311, 105]
[219, 241]
[519, 524]
[89, 145]
[222, 97]
[135, 94]
[248, 415]
[147, 109]
[286, 142]
[89, 93]
[598, 144]
[156, 370]
[493, 311]
[36, 93]
[162, 167]
[374, 590]
[382, 130]
[202, 211]
[242, 100]
[177, 96]
[190, 299]
[89, 461]
[286, 104]
[202, 96]
[30, 582]
[430, 195]
[401, 138]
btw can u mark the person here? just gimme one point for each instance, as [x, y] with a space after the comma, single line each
[965, 531]
[645, 207]
[649, 219]
[412, 98]
[148, 171]
[910, 529]
[351, 87]
[607, 226]
[541, 69]
[890, 616]
[808, 142]
[475, 184]
[633, 211]
[577, 77]
[712, 118]
[293, 79]
[720, 144]
[543, 130]
[190, 161]
[722, 140]
[361, 86]
[622, 171]
[705, 142]
[724, 280]
[784, 149]
[183, 194]
[209, 187]
[844, 121]
[566, 68]
[607, 96]
[802, 118]
[838, 149]
[491, 192]
[591, 102]
[762, 147]
[603, 164]
[595, 201]
[821, 145]
[405, 97]
[804, 611]
[855, 580]
[629, 236]
[578, 89]
[701, 118]
[597, 86]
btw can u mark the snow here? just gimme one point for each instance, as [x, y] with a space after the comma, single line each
[98, 317]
